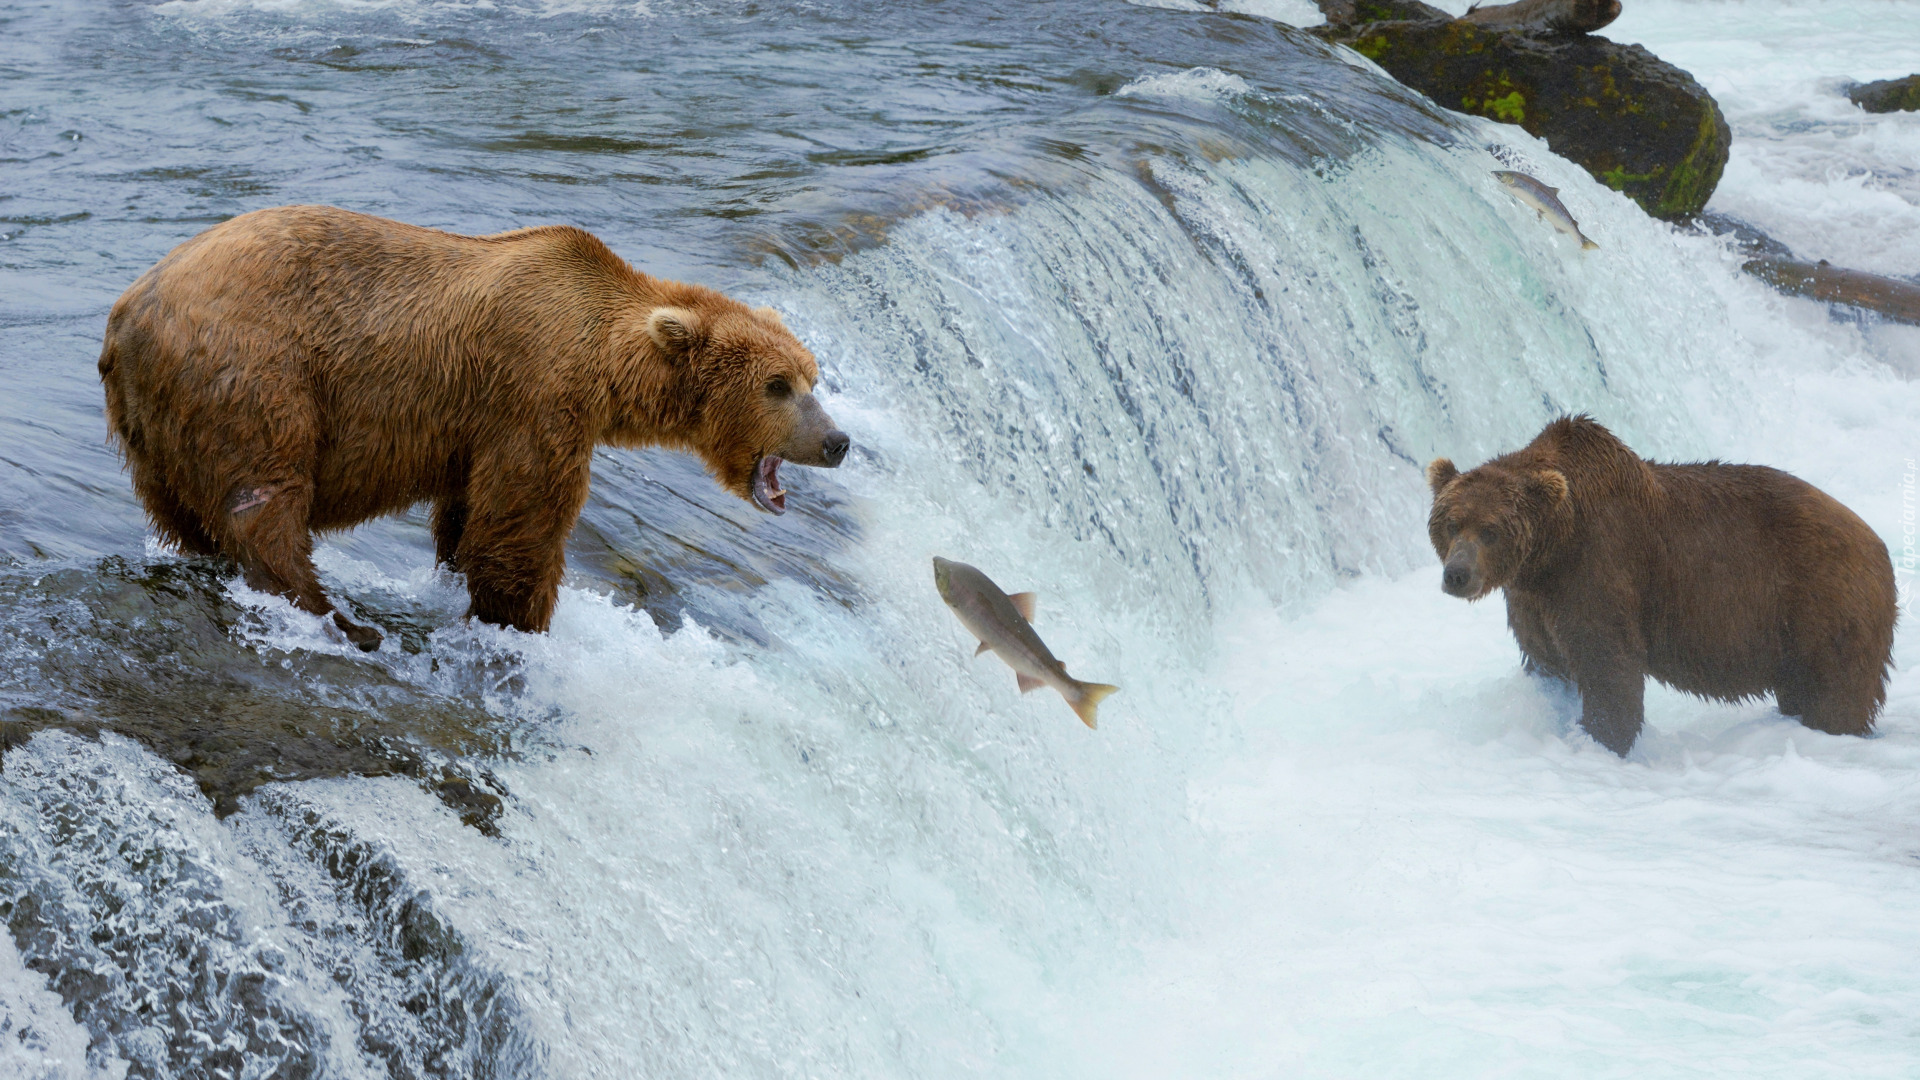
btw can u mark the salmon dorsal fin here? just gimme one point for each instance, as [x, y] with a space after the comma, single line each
[1023, 603]
[1027, 682]
[983, 648]
[1551, 190]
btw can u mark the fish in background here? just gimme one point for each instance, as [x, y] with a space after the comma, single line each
[1004, 625]
[1545, 202]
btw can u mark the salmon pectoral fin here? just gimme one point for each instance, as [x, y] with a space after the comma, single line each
[983, 648]
[1090, 696]
[1023, 603]
[1027, 682]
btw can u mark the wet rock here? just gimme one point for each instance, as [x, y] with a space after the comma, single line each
[1551, 16]
[1776, 264]
[1887, 95]
[148, 651]
[1888, 297]
[1640, 125]
[477, 809]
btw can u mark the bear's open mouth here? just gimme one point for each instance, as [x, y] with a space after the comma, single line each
[767, 492]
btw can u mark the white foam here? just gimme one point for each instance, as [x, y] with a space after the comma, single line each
[1423, 868]
[38, 1037]
[1202, 82]
[1293, 12]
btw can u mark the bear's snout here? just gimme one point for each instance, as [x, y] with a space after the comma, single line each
[834, 447]
[815, 439]
[1459, 578]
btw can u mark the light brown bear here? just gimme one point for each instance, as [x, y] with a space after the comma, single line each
[304, 368]
[1726, 581]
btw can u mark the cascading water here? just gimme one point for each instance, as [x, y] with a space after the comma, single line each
[1158, 313]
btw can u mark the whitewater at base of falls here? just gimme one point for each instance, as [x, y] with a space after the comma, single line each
[1327, 827]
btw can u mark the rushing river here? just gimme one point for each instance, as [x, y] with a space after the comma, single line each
[1157, 312]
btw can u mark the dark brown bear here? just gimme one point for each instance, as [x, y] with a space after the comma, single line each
[304, 368]
[1726, 581]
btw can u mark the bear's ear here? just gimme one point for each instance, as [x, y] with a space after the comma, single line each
[673, 329]
[1440, 473]
[770, 315]
[1552, 486]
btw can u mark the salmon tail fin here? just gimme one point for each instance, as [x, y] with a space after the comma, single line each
[1588, 245]
[1091, 694]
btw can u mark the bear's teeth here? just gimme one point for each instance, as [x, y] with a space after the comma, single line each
[772, 494]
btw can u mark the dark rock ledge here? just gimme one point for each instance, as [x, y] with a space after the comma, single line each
[1887, 95]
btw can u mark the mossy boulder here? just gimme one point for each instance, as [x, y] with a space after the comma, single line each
[1887, 95]
[1638, 124]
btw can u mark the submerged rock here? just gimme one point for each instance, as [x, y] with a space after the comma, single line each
[1640, 125]
[1887, 95]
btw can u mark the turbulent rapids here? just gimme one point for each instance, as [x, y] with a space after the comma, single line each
[1158, 312]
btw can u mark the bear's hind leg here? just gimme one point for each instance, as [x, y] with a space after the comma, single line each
[1839, 714]
[269, 536]
[1793, 688]
[176, 523]
[1839, 684]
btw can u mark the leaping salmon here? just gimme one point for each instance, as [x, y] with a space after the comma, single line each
[1545, 202]
[1003, 624]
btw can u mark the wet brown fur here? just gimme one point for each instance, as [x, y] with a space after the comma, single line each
[1726, 581]
[304, 369]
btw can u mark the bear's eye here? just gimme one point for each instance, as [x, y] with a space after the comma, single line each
[1489, 535]
[779, 388]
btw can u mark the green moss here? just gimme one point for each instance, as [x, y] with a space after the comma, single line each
[1372, 48]
[1497, 99]
[1694, 176]
[1618, 177]
[1511, 109]
[1366, 13]
[1462, 39]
